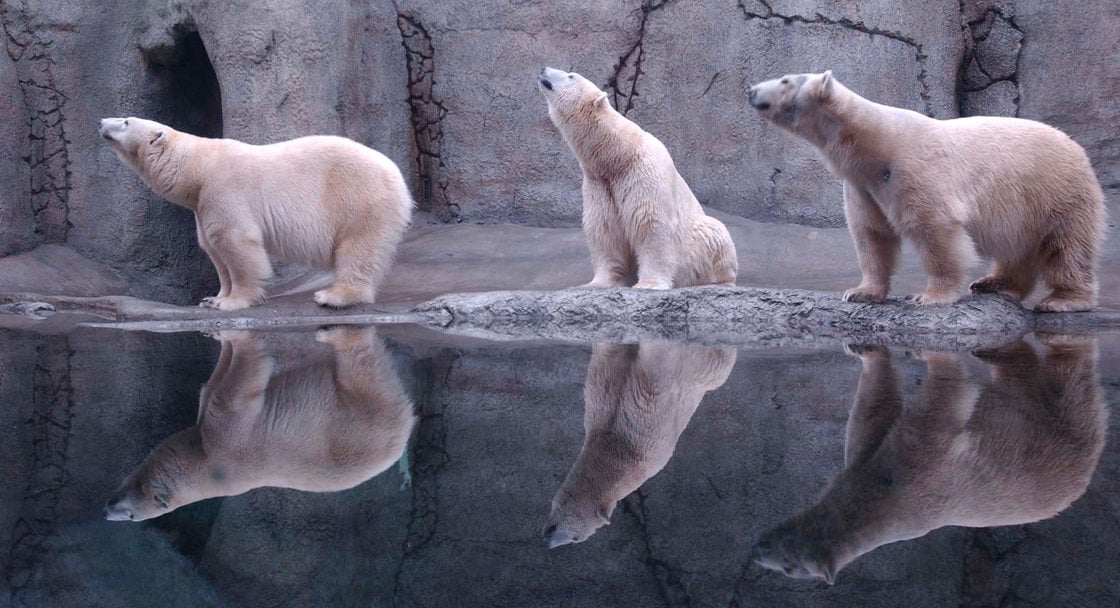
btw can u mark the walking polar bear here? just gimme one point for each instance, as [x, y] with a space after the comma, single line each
[322, 201]
[1019, 450]
[638, 399]
[313, 418]
[1022, 192]
[641, 220]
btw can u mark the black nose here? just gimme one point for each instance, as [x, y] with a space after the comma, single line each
[751, 92]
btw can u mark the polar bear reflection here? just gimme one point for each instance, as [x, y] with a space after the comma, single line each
[327, 422]
[1020, 450]
[637, 401]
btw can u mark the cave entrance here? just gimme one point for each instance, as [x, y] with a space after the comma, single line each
[188, 95]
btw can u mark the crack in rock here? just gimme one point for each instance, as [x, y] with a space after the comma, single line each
[427, 113]
[48, 475]
[766, 12]
[429, 458]
[990, 66]
[623, 83]
[49, 158]
[670, 580]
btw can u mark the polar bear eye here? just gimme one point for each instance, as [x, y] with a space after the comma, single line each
[571, 77]
[126, 122]
[785, 81]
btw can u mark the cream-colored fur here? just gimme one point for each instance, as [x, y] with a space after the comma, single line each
[641, 220]
[1022, 192]
[1020, 450]
[325, 202]
[329, 420]
[637, 401]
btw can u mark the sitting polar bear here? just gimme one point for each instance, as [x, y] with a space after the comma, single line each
[639, 215]
[1022, 192]
[313, 419]
[322, 201]
[638, 399]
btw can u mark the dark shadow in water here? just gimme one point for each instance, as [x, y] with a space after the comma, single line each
[637, 401]
[305, 417]
[1017, 450]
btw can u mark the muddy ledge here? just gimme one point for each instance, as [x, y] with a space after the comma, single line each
[740, 316]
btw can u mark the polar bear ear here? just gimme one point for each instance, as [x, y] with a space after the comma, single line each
[601, 101]
[825, 90]
[157, 137]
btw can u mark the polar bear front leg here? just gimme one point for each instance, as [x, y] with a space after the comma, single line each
[611, 258]
[945, 251]
[219, 265]
[877, 246]
[656, 261]
[242, 251]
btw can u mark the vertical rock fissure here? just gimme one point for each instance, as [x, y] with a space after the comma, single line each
[428, 457]
[427, 113]
[670, 580]
[623, 83]
[48, 159]
[48, 474]
[767, 13]
[993, 45]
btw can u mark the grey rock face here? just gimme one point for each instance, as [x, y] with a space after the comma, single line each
[446, 90]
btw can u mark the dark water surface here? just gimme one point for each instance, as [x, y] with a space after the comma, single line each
[398, 467]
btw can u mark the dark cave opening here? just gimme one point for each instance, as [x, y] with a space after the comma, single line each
[187, 86]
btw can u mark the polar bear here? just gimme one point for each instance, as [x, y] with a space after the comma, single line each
[1020, 450]
[323, 201]
[326, 421]
[1022, 193]
[640, 218]
[637, 401]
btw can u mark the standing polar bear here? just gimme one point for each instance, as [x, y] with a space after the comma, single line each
[322, 201]
[640, 218]
[1022, 192]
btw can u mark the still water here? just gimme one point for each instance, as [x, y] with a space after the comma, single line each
[392, 466]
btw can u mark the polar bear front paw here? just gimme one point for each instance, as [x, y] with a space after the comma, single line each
[211, 302]
[335, 297]
[231, 303]
[863, 295]
[932, 298]
[650, 284]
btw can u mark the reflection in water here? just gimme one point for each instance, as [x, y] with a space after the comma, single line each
[1019, 450]
[328, 422]
[637, 401]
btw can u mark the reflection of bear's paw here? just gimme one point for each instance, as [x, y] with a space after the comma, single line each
[860, 295]
[862, 350]
[1058, 340]
[340, 336]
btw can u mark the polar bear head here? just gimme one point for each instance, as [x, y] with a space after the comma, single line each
[133, 138]
[786, 101]
[570, 96]
[797, 551]
[165, 481]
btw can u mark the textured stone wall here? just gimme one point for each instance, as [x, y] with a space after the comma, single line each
[447, 90]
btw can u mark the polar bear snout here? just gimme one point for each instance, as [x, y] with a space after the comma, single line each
[111, 128]
[753, 99]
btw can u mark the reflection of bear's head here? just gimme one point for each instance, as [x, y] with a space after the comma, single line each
[154, 487]
[568, 94]
[783, 101]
